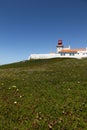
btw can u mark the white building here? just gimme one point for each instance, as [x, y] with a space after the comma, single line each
[62, 52]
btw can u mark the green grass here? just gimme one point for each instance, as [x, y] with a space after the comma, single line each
[44, 95]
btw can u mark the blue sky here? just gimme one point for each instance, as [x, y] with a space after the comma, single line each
[34, 26]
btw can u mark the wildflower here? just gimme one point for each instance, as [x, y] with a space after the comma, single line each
[20, 96]
[15, 102]
[69, 89]
[17, 90]
[14, 86]
[63, 112]
[78, 82]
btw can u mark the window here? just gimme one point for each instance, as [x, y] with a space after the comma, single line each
[62, 54]
[71, 54]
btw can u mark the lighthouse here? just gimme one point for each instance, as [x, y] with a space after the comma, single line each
[62, 52]
[59, 46]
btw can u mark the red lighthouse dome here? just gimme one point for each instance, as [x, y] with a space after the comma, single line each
[60, 43]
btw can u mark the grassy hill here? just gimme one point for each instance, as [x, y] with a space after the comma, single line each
[44, 95]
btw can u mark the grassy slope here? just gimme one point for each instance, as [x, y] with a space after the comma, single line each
[43, 95]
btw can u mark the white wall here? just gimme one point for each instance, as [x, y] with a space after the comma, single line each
[49, 56]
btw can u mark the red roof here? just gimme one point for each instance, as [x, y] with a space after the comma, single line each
[69, 51]
[72, 50]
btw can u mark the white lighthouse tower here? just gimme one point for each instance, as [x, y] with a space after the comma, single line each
[59, 46]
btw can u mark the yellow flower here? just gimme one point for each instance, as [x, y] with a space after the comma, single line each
[15, 102]
[78, 82]
[17, 90]
[20, 96]
[13, 86]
